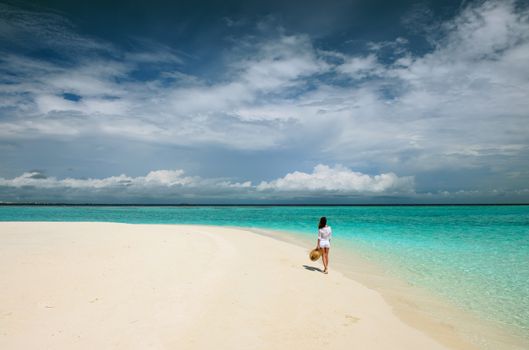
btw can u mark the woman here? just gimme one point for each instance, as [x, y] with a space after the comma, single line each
[324, 241]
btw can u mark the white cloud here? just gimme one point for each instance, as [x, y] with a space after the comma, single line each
[470, 92]
[360, 67]
[187, 111]
[280, 64]
[340, 180]
[157, 178]
[174, 186]
[463, 105]
[164, 184]
[160, 186]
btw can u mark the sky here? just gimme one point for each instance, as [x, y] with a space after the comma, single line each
[264, 101]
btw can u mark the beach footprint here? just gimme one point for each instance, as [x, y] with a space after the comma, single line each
[349, 320]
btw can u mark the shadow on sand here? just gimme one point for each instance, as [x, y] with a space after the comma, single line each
[312, 268]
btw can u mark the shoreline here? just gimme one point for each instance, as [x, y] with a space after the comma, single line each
[417, 306]
[131, 286]
[408, 308]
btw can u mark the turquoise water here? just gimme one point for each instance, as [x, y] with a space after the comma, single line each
[476, 256]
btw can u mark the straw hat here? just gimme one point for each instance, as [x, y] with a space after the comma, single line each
[315, 254]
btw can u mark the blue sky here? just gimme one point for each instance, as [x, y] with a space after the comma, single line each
[264, 102]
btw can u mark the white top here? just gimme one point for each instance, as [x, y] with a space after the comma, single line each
[325, 233]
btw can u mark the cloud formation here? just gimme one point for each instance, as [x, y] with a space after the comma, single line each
[325, 184]
[462, 106]
[169, 185]
[339, 179]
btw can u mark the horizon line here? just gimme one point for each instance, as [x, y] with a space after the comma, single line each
[256, 205]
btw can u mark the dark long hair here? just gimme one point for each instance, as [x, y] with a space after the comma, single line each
[323, 222]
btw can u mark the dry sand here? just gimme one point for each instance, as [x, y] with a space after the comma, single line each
[120, 286]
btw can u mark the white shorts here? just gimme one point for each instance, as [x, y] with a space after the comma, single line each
[325, 243]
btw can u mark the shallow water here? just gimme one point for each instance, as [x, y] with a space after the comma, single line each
[475, 256]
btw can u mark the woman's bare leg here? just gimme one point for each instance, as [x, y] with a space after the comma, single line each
[325, 258]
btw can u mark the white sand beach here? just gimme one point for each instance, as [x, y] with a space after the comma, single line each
[121, 286]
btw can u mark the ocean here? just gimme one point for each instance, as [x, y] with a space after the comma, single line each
[477, 257]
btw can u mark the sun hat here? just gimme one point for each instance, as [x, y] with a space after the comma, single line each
[315, 254]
